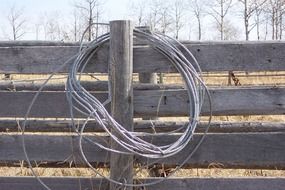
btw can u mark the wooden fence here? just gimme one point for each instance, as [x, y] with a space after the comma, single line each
[232, 145]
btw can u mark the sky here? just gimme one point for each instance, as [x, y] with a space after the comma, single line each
[113, 10]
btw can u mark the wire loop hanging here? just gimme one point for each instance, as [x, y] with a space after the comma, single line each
[133, 143]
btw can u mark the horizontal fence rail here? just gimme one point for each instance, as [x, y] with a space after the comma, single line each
[39, 57]
[9, 125]
[233, 150]
[88, 85]
[225, 101]
[68, 183]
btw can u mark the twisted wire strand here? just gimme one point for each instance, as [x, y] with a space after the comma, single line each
[82, 101]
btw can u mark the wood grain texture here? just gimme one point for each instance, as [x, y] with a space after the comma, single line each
[148, 79]
[122, 108]
[28, 43]
[143, 126]
[215, 127]
[69, 183]
[55, 86]
[48, 104]
[212, 56]
[233, 150]
[88, 85]
[225, 101]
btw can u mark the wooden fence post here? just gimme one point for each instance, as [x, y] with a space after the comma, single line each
[147, 77]
[121, 70]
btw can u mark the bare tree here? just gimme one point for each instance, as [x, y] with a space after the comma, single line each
[197, 6]
[37, 28]
[165, 18]
[51, 26]
[250, 7]
[231, 32]
[178, 15]
[53, 30]
[91, 13]
[153, 15]
[138, 11]
[159, 16]
[54, 27]
[266, 27]
[275, 9]
[259, 10]
[77, 25]
[218, 10]
[17, 22]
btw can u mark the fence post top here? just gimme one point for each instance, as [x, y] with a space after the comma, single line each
[120, 21]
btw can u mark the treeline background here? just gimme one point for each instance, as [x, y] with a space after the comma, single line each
[182, 19]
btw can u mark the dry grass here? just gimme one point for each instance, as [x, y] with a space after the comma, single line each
[85, 172]
[222, 78]
[219, 172]
[22, 171]
[211, 79]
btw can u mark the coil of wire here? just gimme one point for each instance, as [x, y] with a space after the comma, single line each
[84, 102]
[133, 143]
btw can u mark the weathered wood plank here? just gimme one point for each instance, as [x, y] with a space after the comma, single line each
[55, 86]
[143, 126]
[215, 127]
[122, 108]
[28, 43]
[48, 104]
[230, 101]
[69, 183]
[34, 59]
[88, 85]
[212, 56]
[147, 78]
[221, 183]
[233, 150]
[225, 101]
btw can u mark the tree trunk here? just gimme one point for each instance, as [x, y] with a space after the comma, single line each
[90, 21]
[273, 24]
[97, 21]
[266, 30]
[257, 26]
[246, 21]
[177, 29]
[14, 32]
[199, 28]
[276, 25]
[280, 25]
[222, 20]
